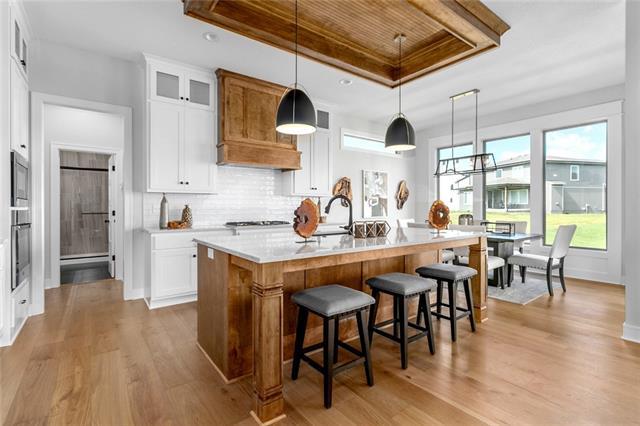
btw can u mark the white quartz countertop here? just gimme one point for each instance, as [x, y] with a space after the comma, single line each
[285, 245]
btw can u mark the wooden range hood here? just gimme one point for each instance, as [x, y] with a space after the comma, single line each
[357, 35]
[247, 124]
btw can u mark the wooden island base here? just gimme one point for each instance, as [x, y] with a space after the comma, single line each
[247, 322]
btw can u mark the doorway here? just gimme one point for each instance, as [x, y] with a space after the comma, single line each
[87, 251]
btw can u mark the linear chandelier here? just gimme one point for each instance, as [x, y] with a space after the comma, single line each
[468, 164]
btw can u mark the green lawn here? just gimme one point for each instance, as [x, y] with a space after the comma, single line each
[591, 232]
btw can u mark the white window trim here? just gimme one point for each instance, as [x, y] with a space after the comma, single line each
[577, 166]
[364, 135]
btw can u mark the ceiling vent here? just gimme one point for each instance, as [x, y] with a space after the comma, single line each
[323, 119]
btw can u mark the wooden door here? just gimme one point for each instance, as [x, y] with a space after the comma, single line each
[199, 148]
[166, 124]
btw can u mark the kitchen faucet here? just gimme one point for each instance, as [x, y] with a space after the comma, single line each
[348, 201]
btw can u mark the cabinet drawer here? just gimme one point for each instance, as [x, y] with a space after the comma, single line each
[183, 240]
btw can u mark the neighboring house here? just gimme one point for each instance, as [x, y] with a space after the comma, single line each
[574, 185]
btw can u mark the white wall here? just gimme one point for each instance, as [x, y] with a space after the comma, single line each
[587, 264]
[631, 199]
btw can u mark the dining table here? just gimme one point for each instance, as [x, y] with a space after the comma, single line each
[499, 243]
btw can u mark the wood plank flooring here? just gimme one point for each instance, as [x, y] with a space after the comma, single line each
[94, 359]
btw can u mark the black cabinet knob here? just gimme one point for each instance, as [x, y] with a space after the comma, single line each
[187, 98]
[182, 98]
[194, 255]
[23, 146]
[186, 183]
[181, 183]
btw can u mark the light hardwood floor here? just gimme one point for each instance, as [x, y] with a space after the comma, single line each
[94, 359]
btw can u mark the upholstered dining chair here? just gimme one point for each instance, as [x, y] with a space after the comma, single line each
[494, 263]
[555, 260]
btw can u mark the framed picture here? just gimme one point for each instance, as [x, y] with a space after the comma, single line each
[375, 194]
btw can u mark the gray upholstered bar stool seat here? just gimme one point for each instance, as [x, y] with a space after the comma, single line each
[452, 275]
[402, 287]
[331, 303]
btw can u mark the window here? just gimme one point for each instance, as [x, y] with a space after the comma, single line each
[456, 190]
[575, 171]
[356, 141]
[506, 191]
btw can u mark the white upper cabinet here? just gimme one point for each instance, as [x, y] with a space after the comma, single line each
[19, 127]
[181, 85]
[181, 142]
[314, 177]
[19, 38]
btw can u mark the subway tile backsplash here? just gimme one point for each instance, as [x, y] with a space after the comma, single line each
[243, 194]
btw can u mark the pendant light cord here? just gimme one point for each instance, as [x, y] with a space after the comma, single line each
[452, 121]
[476, 147]
[296, 79]
[400, 75]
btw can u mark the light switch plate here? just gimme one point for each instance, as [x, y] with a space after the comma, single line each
[210, 253]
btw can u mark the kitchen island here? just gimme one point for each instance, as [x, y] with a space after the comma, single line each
[246, 320]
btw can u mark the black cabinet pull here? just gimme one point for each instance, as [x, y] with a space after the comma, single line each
[22, 61]
[23, 146]
[182, 98]
[181, 183]
[186, 183]
[187, 98]
[23, 301]
[194, 255]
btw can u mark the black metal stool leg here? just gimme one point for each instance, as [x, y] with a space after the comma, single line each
[439, 299]
[469, 297]
[372, 315]
[424, 306]
[453, 293]
[301, 328]
[328, 348]
[336, 340]
[396, 317]
[364, 347]
[404, 338]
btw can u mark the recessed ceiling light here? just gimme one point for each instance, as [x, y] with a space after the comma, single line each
[346, 82]
[210, 36]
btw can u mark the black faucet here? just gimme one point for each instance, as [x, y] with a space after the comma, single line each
[346, 200]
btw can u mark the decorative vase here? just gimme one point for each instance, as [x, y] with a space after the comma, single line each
[164, 212]
[187, 216]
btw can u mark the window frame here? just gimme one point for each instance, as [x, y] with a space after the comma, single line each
[606, 184]
[571, 179]
[484, 176]
[365, 135]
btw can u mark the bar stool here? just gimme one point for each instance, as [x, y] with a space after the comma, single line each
[331, 303]
[451, 274]
[402, 287]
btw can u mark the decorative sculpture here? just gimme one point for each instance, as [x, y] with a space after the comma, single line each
[343, 187]
[402, 194]
[439, 215]
[306, 218]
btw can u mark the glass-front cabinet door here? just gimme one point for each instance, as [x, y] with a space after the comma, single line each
[200, 90]
[166, 84]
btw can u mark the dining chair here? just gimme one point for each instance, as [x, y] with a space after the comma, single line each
[520, 228]
[494, 263]
[555, 260]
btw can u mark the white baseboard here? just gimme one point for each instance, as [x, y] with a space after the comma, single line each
[134, 294]
[170, 301]
[631, 332]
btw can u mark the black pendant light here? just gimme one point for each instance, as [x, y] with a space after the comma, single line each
[468, 164]
[296, 114]
[400, 135]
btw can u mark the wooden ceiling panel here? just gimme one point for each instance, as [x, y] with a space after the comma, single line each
[358, 35]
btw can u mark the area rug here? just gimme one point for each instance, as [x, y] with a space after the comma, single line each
[523, 293]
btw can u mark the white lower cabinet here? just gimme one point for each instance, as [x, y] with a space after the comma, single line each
[20, 300]
[172, 266]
